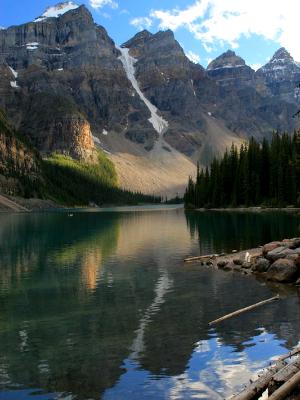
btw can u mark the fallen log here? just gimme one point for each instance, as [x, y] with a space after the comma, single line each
[286, 388]
[280, 370]
[290, 354]
[242, 310]
[256, 388]
[189, 259]
[284, 375]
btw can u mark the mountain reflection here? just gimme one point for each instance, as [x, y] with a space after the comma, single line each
[101, 305]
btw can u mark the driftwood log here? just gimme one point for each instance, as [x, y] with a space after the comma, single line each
[255, 389]
[286, 388]
[284, 375]
[279, 372]
[242, 310]
[190, 259]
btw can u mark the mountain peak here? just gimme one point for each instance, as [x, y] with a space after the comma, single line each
[227, 60]
[281, 55]
[139, 39]
[57, 10]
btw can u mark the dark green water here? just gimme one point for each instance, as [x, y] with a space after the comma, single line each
[100, 305]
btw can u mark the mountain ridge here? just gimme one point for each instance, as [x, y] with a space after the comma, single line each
[69, 66]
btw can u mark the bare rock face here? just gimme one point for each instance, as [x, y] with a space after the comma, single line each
[283, 270]
[281, 76]
[244, 93]
[60, 68]
[230, 70]
[170, 80]
[71, 136]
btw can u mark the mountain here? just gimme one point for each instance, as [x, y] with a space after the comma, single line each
[245, 101]
[69, 88]
[282, 76]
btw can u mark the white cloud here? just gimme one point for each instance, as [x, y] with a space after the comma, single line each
[141, 23]
[256, 66]
[195, 58]
[101, 3]
[224, 22]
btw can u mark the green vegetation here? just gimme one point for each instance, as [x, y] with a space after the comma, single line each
[73, 182]
[266, 174]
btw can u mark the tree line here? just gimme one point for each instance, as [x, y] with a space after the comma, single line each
[266, 174]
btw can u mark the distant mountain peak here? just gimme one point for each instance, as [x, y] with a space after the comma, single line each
[57, 10]
[227, 60]
[281, 55]
[280, 65]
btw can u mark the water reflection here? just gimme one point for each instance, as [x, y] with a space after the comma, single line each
[100, 305]
[242, 230]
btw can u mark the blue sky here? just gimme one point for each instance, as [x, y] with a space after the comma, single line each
[205, 28]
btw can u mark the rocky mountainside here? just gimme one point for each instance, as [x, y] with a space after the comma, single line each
[20, 164]
[67, 86]
[281, 76]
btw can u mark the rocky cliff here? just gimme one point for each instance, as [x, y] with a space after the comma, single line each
[19, 163]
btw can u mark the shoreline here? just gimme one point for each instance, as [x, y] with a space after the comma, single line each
[249, 209]
[275, 262]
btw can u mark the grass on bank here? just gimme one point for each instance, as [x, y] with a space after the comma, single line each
[72, 182]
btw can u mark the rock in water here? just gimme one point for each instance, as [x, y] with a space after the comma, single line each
[283, 270]
[261, 265]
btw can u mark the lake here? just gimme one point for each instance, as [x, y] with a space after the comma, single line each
[99, 305]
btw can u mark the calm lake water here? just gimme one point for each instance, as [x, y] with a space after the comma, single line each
[101, 306]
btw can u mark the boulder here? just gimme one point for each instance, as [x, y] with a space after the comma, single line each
[222, 263]
[278, 252]
[295, 243]
[229, 266]
[270, 246]
[237, 261]
[292, 256]
[247, 265]
[283, 270]
[288, 242]
[297, 261]
[261, 265]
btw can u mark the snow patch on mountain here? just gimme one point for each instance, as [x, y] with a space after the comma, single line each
[226, 66]
[32, 46]
[158, 123]
[57, 10]
[14, 84]
[15, 74]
